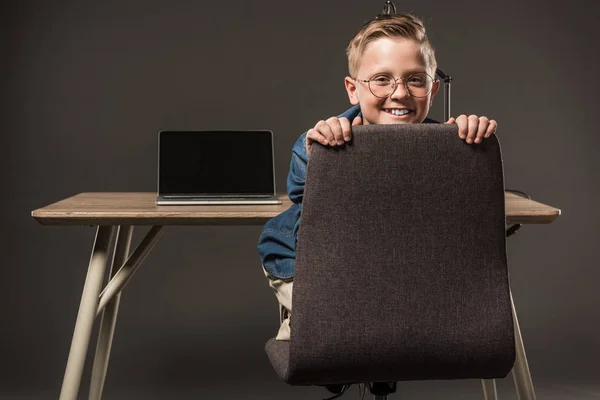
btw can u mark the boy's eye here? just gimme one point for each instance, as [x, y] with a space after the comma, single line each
[381, 80]
[417, 80]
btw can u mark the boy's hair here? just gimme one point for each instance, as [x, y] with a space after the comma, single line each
[396, 25]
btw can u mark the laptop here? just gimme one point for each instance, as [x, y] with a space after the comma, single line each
[216, 167]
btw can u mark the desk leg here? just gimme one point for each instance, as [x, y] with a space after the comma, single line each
[87, 314]
[109, 316]
[489, 389]
[129, 268]
[521, 374]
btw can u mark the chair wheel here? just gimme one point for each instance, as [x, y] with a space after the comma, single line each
[336, 389]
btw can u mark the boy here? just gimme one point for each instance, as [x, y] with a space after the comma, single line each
[392, 69]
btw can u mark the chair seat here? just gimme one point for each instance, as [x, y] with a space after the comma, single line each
[278, 352]
[413, 366]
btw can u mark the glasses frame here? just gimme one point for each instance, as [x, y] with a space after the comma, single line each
[404, 79]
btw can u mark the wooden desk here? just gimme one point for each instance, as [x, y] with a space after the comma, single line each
[115, 214]
[140, 209]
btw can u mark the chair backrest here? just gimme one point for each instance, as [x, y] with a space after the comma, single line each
[401, 270]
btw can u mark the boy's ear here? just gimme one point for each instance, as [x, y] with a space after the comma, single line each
[351, 90]
[435, 88]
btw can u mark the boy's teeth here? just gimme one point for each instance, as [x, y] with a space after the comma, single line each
[398, 112]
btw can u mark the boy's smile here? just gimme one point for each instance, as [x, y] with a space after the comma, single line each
[400, 113]
[398, 57]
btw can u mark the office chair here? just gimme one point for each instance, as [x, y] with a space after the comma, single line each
[401, 270]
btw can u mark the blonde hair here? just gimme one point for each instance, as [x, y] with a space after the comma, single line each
[396, 25]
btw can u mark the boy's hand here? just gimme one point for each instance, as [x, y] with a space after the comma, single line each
[474, 128]
[333, 132]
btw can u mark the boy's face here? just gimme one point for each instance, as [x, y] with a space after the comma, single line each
[398, 57]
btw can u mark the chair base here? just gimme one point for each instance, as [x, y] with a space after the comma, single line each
[381, 389]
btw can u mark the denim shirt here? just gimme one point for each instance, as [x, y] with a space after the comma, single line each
[277, 243]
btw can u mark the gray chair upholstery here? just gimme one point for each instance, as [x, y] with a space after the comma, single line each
[401, 270]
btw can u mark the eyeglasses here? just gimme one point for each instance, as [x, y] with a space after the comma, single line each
[419, 84]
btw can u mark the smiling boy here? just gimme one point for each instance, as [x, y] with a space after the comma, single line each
[392, 81]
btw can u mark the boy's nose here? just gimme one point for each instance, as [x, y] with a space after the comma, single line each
[400, 91]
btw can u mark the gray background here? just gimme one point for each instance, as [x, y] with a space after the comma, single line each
[86, 86]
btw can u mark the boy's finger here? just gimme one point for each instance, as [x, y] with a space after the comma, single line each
[314, 136]
[346, 129]
[324, 130]
[336, 129]
[357, 121]
[452, 120]
[491, 128]
[472, 126]
[461, 121]
[483, 125]
[308, 144]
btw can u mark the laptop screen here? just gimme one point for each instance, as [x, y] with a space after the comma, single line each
[216, 163]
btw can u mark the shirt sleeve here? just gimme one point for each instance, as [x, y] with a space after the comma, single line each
[277, 244]
[297, 174]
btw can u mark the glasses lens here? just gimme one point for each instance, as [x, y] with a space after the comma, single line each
[382, 85]
[419, 85]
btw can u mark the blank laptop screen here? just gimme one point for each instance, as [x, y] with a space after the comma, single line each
[216, 163]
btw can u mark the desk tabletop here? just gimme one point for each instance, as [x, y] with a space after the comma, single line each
[139, 208]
